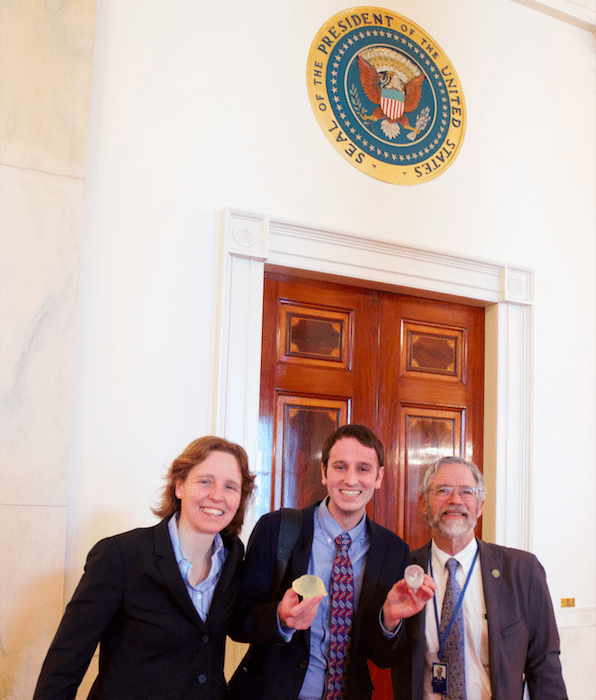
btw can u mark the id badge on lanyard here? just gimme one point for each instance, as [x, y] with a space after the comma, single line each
[440, 669]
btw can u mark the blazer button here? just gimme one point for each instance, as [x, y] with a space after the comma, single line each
[303, 663]
[205, 639]
[202, 678]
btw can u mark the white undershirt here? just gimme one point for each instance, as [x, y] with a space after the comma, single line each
[476, 626]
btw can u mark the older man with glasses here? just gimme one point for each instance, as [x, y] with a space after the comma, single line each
[491, 627]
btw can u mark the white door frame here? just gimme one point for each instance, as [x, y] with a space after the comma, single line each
[250, 240]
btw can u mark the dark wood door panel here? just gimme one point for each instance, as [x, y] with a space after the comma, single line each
[303, 424]
[411, 369]
[431, 369]
[431, 394]
[319, 359]
[326, 381]
[312, 334]
[425, 435]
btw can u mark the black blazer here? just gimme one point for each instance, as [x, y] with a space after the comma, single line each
[522, 633]
[274, 669]
[153, 643]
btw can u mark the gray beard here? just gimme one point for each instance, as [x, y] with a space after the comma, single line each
[454, 530]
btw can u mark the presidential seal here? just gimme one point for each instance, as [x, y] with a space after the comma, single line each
[386, 96]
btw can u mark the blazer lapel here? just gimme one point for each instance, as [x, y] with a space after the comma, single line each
[168, 567]
[374, 562]
[491, 564]
[420, 557]
[235, 553]
[225, 593]
[417, 629]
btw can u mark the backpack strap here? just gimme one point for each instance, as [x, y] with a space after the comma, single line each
[289, 531]
[290, 528]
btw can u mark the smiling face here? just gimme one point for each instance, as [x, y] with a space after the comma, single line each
[210, 494]
[451, 518]
[353, 475]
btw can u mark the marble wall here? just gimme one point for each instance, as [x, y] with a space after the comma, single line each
[46, 52]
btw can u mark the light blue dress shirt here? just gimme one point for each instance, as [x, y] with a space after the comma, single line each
[202, 594]
[322, 557]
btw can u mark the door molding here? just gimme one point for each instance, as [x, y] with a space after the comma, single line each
[249, 240]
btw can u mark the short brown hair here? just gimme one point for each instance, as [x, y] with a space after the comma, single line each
[194, 454]
[364, 435]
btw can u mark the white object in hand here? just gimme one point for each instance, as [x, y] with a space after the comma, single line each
[414, 576]
[309, 586]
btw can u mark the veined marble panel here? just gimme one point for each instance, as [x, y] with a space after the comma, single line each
[41, 220]
[577, 630]
[46, 60]
[32, 542]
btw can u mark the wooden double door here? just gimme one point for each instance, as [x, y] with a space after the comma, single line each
[409, 368]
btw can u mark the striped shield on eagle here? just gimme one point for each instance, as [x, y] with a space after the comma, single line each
[392, 102]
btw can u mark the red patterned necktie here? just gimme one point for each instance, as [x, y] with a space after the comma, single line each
[342, 608]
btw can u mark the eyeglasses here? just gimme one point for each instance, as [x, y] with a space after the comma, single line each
[465, 492]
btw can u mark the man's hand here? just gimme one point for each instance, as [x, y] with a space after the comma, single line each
[402, 602]
[295, 614]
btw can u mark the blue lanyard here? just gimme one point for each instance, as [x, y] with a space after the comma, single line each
[457, 607]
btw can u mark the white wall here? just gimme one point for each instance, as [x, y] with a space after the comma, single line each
[196, 106]
[207, 106]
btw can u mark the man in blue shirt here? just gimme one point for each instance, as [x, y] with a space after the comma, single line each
[290, 654]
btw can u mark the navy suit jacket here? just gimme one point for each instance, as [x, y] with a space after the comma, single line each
[522, 632]
[154, 645]
[274, 669]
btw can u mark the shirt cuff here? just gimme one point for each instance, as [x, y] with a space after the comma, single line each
[285, 632]
[386, 633]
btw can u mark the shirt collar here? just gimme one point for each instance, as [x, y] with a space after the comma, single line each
[465, 557]
[180, 558]
[332, 529]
